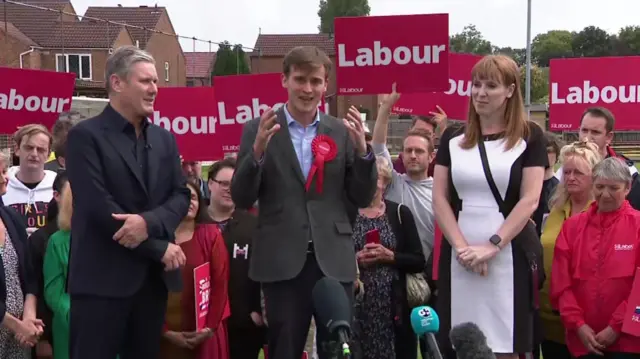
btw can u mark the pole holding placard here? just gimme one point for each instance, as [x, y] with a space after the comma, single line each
[527, 92]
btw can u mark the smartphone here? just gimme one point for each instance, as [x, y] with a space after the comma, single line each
[372, 237]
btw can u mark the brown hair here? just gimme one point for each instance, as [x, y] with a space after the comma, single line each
[502, 69]
[423, 134]
[66, 208]
[426, 119]
[603, 113]
[306, 57]
[61, 128]
[31, 130]
[228, 162]
[553, 143]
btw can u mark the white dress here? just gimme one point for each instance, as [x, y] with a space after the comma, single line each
[500, 303]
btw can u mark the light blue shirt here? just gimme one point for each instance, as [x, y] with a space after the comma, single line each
[301, 138]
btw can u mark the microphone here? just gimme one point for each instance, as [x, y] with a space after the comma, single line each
[425, 322]
[333, 310]
[148, 146]
[469, 342]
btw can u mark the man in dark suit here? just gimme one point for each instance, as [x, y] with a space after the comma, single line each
[304, 232]
[129, 195]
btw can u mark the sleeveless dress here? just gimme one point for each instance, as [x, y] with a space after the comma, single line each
[501, 303]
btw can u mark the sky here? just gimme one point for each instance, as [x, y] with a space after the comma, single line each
[503, 22]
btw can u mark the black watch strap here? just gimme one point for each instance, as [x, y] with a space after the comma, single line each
[496, 240]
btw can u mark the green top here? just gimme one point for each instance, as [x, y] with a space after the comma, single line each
[56, 263]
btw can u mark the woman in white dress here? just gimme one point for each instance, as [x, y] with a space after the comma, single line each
[486, 278]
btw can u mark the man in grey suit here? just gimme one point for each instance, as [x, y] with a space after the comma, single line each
[304, 232]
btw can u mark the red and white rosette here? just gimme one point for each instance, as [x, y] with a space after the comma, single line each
[324, 149]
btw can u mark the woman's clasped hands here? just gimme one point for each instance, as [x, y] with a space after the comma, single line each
[28, 331]
[476, 258]
[373, 253]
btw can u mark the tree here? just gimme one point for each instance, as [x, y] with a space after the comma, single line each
[592, 42]
[330, 9]
[518, 55]
[230, 60]
[628, 41]
[539, 83]
[470, 41]
[550, 45]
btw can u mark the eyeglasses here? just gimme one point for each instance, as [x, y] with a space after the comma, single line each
[223, 184]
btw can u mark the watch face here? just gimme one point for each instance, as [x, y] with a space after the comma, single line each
[495, 240]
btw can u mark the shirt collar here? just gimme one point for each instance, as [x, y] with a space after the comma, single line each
[290, 119]
[121, 123]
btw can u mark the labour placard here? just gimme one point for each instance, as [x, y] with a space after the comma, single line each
[580, 83]
[454, 101]
[33, 96]
[372, 52]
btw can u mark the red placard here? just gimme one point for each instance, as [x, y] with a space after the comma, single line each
[580, 83]
[202, 289]
[454, 101]
[372, 52]
[33, 96]
[190, 114]
[631, 324]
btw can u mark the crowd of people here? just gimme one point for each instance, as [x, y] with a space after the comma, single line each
[99, 246]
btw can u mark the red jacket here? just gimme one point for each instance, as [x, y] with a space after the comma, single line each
[594, 264]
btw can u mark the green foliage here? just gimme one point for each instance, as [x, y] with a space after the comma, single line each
[470, 41]
[230, 60]
[331, 9]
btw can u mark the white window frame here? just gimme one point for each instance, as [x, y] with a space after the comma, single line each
[166, 71]
[80, 56]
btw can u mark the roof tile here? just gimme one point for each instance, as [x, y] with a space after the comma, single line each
[85, 34]
[146, 17]
[281, 44]
[32, 22]
[16, 34]
[199, 64]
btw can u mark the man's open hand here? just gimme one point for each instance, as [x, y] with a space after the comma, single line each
[133, 231]
[173, 257]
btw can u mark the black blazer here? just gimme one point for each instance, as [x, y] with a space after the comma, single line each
[17, 229]
[106, 179]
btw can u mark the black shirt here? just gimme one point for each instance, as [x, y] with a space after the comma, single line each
[548, 187]
[140, 145]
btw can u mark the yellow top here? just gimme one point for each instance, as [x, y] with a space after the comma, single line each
[52, 157]
[552, 326]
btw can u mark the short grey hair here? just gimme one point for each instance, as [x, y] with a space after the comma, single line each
[119, 63]
[612, 169]
[384, 169]
[5, 158]
[61, 128]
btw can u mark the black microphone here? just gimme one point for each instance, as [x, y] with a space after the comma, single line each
[148, 146]
[469, 342]
[333, 310]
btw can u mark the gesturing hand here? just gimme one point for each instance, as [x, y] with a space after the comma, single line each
[173, 257]
[353, 123]
[266, 129]
[178, 339]
[133, 231]
[390, 99]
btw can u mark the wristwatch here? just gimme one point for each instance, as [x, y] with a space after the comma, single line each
[496, 240]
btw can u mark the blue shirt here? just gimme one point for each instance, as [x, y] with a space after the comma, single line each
[301, 138]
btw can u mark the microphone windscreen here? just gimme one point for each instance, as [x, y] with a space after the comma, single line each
[331, 304]
[424, 320]
[470, 342]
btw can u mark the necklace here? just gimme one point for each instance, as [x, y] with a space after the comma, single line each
[373, 212]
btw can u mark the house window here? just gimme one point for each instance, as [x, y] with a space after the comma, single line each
[190, 83]
[166, 71]
[79, 64]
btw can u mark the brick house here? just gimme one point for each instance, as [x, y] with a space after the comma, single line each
[48, 40]
[199, 68]
[270, 49]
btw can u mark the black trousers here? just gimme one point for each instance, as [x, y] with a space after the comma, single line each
[289, 308]
[245, 342]
[131, 327]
